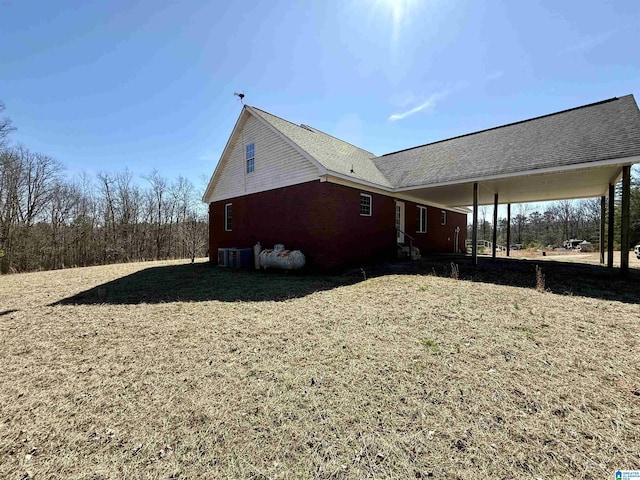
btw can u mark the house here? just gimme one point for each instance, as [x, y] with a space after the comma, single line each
[279, 182]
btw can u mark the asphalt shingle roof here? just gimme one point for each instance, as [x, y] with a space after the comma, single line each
[591, 133]
[600, 131]
[332, 153]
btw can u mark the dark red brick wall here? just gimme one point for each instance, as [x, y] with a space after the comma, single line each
[319, 218]
[323, 220]
[438, 238]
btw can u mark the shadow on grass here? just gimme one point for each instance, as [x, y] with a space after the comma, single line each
[201, 282]
[562, 278]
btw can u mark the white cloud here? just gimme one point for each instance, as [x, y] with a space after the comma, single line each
[495, 75]
[428, 106]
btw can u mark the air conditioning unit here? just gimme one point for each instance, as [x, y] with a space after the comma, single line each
[223, 257]
[240, 258]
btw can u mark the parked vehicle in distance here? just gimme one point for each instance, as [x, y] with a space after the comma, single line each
[515, 246]
[585, 247]
[572, 243]
[637, 251]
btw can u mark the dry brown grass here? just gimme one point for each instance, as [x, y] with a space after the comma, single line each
[399, 376]
[589, 258]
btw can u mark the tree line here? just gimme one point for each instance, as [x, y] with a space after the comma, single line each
[49, 221]
[560, 221]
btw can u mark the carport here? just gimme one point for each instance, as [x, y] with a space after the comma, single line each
[578, 153]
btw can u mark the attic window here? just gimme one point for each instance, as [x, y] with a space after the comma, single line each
[250, 156]
[365, 205]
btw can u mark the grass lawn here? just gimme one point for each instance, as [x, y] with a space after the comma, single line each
[169, 370]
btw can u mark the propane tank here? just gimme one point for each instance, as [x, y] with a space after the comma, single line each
[281, 258]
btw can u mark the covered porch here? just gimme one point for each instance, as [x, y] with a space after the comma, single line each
[578, 181]
[582, 152]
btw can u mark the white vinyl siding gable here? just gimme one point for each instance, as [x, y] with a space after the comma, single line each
[276, 163]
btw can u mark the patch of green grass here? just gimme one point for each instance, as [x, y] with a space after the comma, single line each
[527, 332]
[431, 345]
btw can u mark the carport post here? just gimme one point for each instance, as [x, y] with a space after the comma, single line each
[611, 205]
[495, 225]
[624, 224]
[508, 228]
[603, 203]
[474, 235]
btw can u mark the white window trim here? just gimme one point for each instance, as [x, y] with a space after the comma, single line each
[426, 213]
[226, 217]
[370, 205]
[443, 217]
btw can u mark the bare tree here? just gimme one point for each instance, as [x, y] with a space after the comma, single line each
[157, 197]
[519, 222]
[9, 194]
[106, 183]
[195, 234]
[64, 200]
[47, 221]
[484, 210]
[27, 181]
[39, 176]
[6, 126]
[564, 212]
[128, 200]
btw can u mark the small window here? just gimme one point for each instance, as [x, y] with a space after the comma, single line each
[421, 221]
[250, 157]
[365, 205]
[443, 217]
[228, 216]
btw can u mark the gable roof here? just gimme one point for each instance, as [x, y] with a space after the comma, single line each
[592, 133]
[335, 155]
[602, 133]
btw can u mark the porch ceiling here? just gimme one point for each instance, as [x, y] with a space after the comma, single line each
[527, 187]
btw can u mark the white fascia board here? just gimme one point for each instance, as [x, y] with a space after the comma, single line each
[381, 190]
[207, 193]
[272, 187]
[321, 169]
[331, 177]
[564, 168]
[358, 181]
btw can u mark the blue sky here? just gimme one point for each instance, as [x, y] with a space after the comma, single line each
[102, 86]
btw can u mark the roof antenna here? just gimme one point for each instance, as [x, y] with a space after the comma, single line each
[241, 95]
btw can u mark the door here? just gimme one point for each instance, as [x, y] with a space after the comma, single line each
[399, 221]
